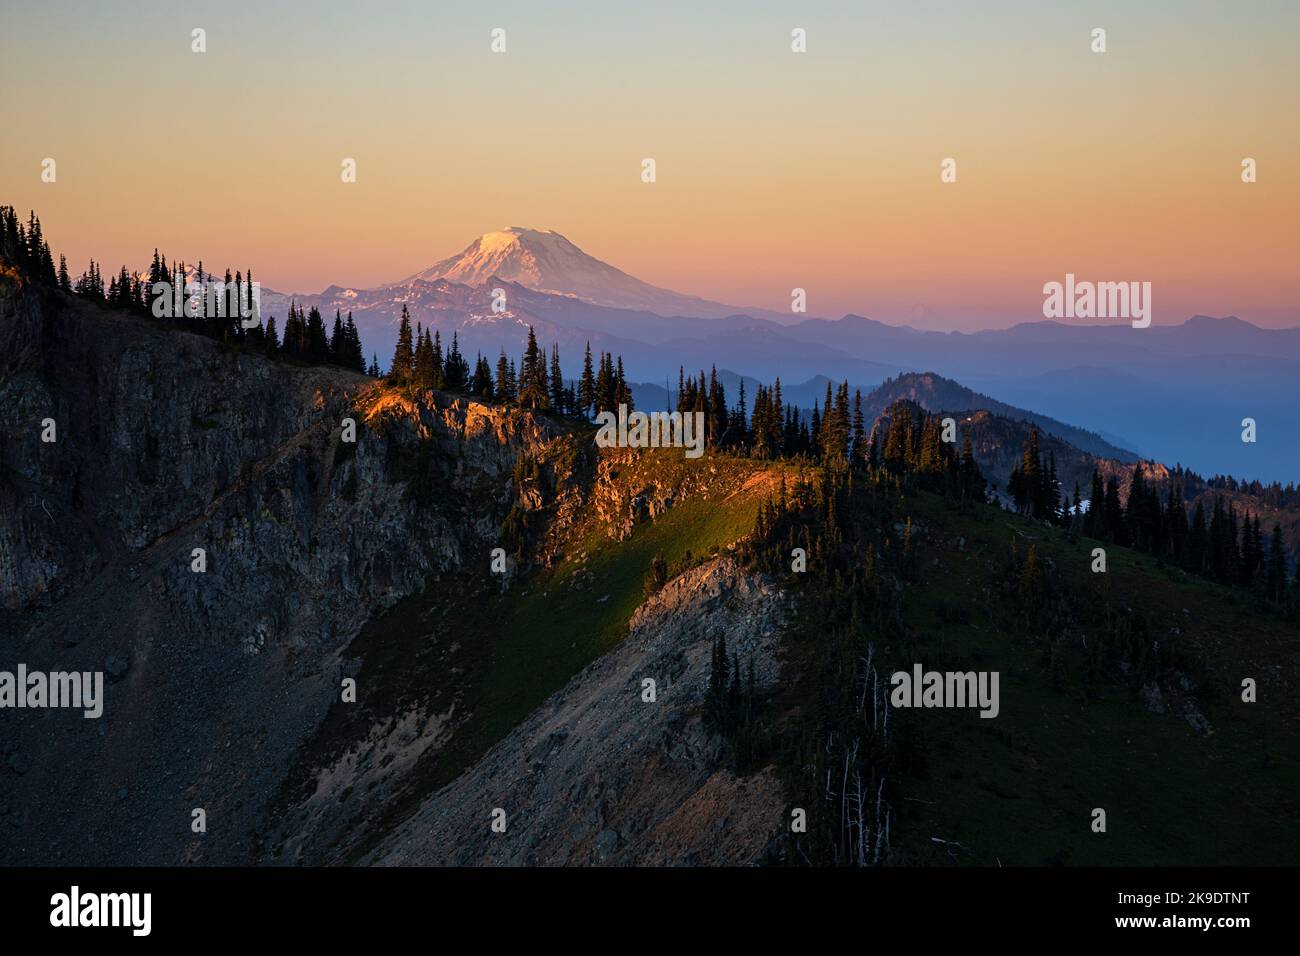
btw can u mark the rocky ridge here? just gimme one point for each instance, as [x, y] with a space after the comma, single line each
[599, 775]
[167, 443]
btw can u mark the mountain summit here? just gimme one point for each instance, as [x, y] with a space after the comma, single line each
[546, 261]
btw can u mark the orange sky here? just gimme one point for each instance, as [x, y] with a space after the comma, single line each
[775, 170]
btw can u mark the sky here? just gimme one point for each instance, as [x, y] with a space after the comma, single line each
[774, 170]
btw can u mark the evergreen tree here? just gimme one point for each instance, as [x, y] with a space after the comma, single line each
[896, 453]
[317, 342]
[456, 370]
[859, 450]
[1197, 542]
[1257, 556]
[337, 347]
[483, 378]
[438, 368]
[422, 372]
[739, 419]
[971, 480]
[250, 307]
[557, 381]
[505, 383]
[255, 338]
[605, 390]
[12, 245]
[587, 385]
[271, 340]
[532, 376]
[358, 356]
[1276, 574]
[403, 367]
[1052, 490]
[841, 430]
[1031, 477]
[1113, 513]
[622, 391]
[1093, 523]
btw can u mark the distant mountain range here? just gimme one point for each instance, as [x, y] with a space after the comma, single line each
[1174, 393]
[932, 392]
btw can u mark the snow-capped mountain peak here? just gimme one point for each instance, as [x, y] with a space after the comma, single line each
[546, 261]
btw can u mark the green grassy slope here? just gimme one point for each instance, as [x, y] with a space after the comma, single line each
[496, 656]
[515, 649]
[1020, 789]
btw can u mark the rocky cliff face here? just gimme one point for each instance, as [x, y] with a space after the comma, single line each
[164, 443]
[601, 774]
[200, 530]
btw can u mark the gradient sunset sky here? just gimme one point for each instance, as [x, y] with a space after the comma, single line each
[775, 170]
